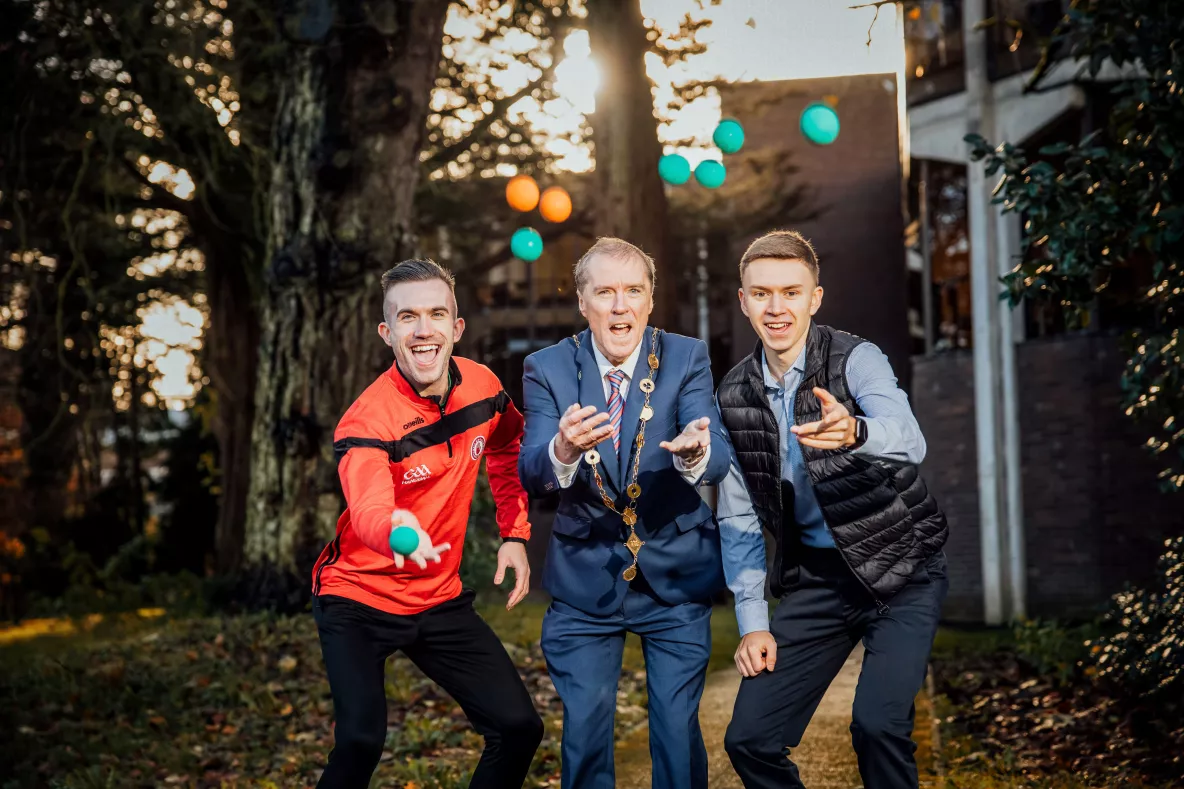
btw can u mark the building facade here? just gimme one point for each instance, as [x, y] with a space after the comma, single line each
[1053, 502]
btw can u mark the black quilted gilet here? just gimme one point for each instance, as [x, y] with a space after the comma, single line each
[879, 514]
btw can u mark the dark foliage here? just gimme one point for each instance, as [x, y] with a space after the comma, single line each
[1145, 653]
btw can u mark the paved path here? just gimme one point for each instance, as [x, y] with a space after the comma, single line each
[825, 757]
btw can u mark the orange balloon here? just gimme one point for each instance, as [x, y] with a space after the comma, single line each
[522, 193]
[555, 205]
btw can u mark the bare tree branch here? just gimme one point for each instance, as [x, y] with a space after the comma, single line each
[448, 152]
[878, 5]
[1048, 56]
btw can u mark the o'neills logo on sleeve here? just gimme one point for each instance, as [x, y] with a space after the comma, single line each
[419, 420]
[416, 474]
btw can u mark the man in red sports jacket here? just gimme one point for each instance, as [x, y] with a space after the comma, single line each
[408, 452]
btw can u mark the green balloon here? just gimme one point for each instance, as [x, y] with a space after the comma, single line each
[711, 173]
[526, 243]
[674, 169]
[729, 136]
[404, 540]
[820, 123]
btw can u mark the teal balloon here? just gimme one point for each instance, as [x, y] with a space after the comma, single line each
[729, 136]
[820, 124]
[526, 243]
[674, 169]
[711, 174]
[404, 540]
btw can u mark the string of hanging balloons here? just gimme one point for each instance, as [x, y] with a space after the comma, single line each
[676, 170]
[819, 123]
[554, 204]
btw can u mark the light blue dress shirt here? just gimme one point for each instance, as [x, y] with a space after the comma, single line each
[892, 434]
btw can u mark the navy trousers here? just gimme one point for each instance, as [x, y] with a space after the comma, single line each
[824, 612]
[583, 655]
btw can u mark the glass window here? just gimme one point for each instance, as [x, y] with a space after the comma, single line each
[933, 49]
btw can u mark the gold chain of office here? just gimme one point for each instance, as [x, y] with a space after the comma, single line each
[629, 514]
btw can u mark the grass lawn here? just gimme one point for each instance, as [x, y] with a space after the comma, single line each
[147, 699]
[144, 699]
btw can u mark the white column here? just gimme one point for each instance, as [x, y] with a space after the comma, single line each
[1016, 570]
[985, 327]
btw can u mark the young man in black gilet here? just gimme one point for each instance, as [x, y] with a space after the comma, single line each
[826, 453]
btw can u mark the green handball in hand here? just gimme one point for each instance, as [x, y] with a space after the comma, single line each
[404, 540]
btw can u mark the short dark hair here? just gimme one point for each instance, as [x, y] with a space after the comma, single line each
[416, 270]
[618, 249]
[781, 245]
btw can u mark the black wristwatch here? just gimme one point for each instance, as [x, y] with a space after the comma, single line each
[860, 435]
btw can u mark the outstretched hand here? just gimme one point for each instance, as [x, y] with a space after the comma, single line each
[692, 442]
[836, 428]
[425, 551]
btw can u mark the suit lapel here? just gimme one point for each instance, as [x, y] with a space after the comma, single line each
[633, 406]
[592, 393]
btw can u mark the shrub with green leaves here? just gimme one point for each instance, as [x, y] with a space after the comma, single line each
[1147, 652]
[1055, 650]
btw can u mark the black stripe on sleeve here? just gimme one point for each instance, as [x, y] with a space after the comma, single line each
[344, 445]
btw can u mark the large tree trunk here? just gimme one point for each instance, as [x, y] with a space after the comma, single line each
[349, 131]
[50, 380]
[232, 343]
[632, 201]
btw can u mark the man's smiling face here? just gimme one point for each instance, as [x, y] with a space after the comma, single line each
[779, 297]
[421, 328]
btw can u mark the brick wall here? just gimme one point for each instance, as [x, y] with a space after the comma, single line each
[943, 400]
[1093, 515]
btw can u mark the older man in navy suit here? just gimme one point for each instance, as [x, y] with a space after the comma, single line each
[621, 424]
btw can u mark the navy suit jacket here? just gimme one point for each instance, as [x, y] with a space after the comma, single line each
[586, 556]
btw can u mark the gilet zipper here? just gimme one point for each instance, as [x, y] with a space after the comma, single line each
[881, 608]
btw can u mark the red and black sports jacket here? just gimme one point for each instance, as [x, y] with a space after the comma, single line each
[397, 450]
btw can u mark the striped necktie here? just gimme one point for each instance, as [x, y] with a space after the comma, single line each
[616, 404]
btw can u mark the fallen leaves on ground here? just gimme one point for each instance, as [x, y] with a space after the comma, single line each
[241, 701]
[1009, 720]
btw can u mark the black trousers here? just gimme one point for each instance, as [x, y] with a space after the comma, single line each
[455, 648]
[824, 612]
